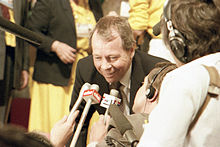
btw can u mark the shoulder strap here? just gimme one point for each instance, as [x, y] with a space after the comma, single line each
[213, 90]
[214, 86]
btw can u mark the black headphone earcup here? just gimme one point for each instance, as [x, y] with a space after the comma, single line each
[178, 48]
[150, 92]
[177, 44]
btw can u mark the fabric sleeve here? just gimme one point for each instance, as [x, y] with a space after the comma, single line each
[39, 22]
[138, 14]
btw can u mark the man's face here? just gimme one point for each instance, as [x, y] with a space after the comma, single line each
[110, 59]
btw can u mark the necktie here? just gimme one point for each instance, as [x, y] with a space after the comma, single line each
[124, 106]
[124, 102]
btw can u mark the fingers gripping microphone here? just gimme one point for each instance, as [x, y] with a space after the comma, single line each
[85, 87]
[91, 96]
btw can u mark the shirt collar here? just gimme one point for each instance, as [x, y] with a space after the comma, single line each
[126, 78]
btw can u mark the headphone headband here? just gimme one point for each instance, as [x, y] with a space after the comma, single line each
[176, 39]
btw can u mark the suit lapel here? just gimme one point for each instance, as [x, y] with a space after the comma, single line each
[137, 75]
[103, 84]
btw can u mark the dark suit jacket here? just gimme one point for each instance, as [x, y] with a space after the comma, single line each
[54, 19]
[13, 59]
[142, 64]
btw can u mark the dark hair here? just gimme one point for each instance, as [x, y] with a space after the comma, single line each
[199, 23]
[107, 24]
[12, 136]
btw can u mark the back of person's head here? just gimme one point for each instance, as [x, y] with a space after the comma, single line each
[196, 28]
[11, 136]
[106, 26]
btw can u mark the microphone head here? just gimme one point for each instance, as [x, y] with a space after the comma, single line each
[114, 92]
[92, 94]
[95, 87]
[156, 29]
[85, 86]
[111, 98]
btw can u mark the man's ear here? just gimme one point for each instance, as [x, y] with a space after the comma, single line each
[133, 50]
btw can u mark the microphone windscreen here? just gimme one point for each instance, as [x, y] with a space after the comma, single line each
[114, 92]
[119, 118]
[156, 29]
[95, 87]
[20, 31]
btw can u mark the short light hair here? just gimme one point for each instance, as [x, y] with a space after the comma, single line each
[106, 25]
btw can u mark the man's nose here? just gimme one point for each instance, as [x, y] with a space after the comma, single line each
[106, 65]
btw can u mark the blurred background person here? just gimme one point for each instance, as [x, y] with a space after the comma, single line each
[14, 61]
[66, 25]
[143, 16]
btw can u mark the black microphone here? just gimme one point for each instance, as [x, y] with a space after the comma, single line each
[156, 29]
[123, 125]
[21, 32]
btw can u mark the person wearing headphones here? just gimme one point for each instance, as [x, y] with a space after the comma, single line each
[188, 111]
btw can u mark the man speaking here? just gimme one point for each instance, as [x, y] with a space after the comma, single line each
[113, 60]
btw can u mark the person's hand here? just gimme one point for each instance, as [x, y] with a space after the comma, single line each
[62, 130]
[99, 130]
[65, 52]
[24, 79]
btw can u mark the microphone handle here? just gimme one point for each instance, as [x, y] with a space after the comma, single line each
[106, 115]
[20, 31]
[81, 122]
[86, 86]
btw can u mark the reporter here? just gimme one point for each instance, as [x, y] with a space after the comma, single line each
[185, 116]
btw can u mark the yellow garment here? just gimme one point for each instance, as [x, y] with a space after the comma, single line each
[10, 38]
[83, 15]
[49, 103]
[144, 14]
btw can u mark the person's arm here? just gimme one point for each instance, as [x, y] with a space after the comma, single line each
[39, 22]
[138, 14]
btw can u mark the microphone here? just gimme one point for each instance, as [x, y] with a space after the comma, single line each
[123, 125]
[110, 99]
[156, 29]
[21, 32]
[86, 86]
[91, 96]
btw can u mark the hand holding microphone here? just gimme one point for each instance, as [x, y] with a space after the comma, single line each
[91, 96]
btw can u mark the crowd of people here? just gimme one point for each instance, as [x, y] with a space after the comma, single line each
[169, 102]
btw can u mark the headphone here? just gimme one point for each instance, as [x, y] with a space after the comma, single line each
[151, 92]
[176, 39]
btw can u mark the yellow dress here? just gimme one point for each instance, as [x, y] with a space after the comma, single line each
[49, 103]
[144, 14]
